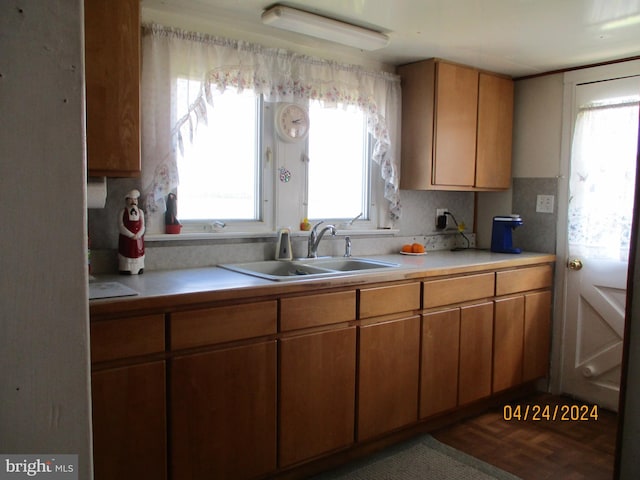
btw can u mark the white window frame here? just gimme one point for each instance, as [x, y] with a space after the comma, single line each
[275, 206]
[264, 192]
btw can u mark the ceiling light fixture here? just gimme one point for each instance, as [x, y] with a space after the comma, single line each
[622, 23]
[299, 21]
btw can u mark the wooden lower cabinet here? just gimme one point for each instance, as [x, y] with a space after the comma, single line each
[521, 339]
[508, 342]
[129, 422]
[537, 335]
[476, 349]
[317, 394]
[223, 413]
[389, 359]
[256, 389]
[439, 361]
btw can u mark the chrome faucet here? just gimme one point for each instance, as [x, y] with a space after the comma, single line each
[315, 237]
[347, 246]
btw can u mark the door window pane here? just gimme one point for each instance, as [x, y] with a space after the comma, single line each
[602, 184]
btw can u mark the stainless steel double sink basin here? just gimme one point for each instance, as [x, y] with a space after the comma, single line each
[282, 270]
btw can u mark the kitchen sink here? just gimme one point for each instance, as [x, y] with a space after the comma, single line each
[279, 270]
[349, 264]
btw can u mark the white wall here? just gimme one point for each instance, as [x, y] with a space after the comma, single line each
[537, 136]
[44, 359]
[537, 127]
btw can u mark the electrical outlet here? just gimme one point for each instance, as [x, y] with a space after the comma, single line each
[441, 218]
[544, 203]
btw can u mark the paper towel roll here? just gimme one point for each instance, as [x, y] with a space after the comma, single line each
[96, 192]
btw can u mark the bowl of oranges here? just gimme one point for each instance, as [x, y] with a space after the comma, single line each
[413, 249]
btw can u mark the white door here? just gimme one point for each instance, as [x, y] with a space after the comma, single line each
[601, 192]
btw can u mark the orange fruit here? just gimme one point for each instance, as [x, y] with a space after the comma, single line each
[417, 248]
[407, 248]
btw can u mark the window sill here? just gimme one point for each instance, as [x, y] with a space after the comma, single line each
[231, 235]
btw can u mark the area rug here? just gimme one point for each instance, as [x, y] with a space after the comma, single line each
[422, 458]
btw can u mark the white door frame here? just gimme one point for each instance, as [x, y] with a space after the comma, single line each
[571, 79]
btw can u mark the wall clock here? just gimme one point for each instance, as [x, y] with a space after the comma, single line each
[292, 122]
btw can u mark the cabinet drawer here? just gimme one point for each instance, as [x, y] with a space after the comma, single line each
[127, 337]
[457, 289]
[523, 279]
[223, 324]
[392, 299]
[317, 310]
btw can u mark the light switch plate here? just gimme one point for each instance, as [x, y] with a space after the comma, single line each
[544, 203]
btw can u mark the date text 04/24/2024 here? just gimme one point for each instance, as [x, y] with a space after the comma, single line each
[563, 413]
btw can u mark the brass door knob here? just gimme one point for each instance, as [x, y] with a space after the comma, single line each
[575, 264]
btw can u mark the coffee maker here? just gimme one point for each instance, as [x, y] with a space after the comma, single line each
[501, 234]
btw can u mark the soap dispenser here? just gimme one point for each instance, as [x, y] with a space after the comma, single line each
[283, 249]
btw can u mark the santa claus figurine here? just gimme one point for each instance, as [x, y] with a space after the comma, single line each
[131, 239]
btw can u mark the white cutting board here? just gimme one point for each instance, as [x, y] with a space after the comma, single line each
[109, 289]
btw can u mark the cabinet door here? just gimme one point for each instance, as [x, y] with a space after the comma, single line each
[112, 71]
[439, 362]
[317, 394]
[223, 413]
[418, 86]
[476, 348]
[129, 422]
[537, 335]
[455, 125]
[508, 343]
[389, 358]
[495, 125]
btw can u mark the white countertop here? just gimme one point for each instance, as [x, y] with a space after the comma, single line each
[167, 288]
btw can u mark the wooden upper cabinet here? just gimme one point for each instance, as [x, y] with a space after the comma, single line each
[456, 127]
[112, 76]
[495, 127]
[456, 113]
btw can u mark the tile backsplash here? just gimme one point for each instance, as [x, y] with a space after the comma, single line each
[416, 225]
[538, 233]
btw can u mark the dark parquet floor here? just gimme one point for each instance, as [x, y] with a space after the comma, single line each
[539, 449]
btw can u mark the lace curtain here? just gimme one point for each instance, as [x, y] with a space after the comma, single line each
[602, 181]
[279, 75]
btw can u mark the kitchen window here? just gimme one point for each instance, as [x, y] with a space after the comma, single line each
[219, 170]
[222, 174]
[338, 173]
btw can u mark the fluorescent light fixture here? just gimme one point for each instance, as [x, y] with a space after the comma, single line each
[298, 21]
[622, 23]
